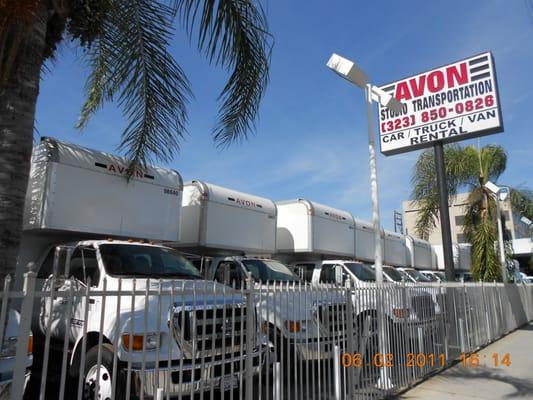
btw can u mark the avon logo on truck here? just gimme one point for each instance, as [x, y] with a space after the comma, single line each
[122, 170]
[245, 203]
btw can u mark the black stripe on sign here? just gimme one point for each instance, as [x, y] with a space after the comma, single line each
[149, 176]
[480, 68]
[480, 76]
[98, 164]
[389, 88]
[478, 60]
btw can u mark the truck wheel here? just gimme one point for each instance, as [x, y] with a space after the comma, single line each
[103, 378]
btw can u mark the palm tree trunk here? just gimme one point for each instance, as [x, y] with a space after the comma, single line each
[19, 88]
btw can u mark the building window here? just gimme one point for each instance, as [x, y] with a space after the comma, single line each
[461, 238]
[459, 220]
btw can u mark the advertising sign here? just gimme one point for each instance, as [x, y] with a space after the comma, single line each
[454, 102]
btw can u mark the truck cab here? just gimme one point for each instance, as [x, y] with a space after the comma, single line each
[141, 299]
[295, 316]
[412, 307]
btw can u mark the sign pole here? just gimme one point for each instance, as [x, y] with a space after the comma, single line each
[444, 212]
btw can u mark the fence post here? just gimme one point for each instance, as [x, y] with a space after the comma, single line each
[462, 335]
[276, 381]
[250, 338]
[350, 378]
[21, 358]
[337, 372]
[3, 312]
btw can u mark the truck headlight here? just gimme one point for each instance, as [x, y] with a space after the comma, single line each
[293, 326]
[135, 341]
[401, 312]
[9, 347]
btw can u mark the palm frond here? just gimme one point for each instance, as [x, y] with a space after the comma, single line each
[522, 202]
[425, 188]
[494, 161]
[233, 34]
[130, 61]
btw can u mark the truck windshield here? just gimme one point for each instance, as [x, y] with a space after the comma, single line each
[146, 261]
[393, 273]
[416, 275]
[431, 277]
[269, 270]
[363, 272]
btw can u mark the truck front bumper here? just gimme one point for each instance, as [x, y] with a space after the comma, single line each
[315, 350]
[188, 379]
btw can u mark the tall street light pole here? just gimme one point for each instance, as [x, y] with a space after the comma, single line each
[499, 194]
[352, 73]
[378, 258]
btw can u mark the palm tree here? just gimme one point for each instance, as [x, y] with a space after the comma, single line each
[468, 168]
[125, 44]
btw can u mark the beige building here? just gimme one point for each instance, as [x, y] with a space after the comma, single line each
[514, 228]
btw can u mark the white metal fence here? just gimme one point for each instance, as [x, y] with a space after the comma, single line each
[174, 339]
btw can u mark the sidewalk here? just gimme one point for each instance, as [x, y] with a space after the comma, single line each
[486, 381]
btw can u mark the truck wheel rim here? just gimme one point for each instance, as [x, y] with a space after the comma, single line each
[104, 383]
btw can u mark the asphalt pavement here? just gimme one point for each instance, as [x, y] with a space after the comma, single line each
[512, 378]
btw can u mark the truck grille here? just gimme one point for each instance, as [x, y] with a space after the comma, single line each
[423, 306]
[332, 319]
[210, 332]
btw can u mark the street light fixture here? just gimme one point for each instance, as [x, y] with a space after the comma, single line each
[499, 194]
[352, 73]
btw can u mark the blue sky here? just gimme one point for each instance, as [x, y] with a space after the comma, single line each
[311, 138]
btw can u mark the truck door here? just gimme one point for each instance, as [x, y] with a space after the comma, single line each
[84, 271]
[53, 309]
[72, 270]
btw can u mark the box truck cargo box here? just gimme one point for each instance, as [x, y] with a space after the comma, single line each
[462, 257]
[74, 189]
[420, 253]
[309, 227]
[364, 241]
[216, 220]
[395, 249]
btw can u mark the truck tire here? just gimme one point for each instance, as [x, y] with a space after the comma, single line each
[104, 378]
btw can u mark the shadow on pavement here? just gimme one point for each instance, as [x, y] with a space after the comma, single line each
[523, 387]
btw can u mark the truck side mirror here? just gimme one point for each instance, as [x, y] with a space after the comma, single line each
[340, 276]
[62, 256]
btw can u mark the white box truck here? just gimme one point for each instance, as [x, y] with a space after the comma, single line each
[421, 254]
[395, 249]
[80, 212]
[235, 233]
[365, 243]
[233, 222]
[462, 257]
[304, 227]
